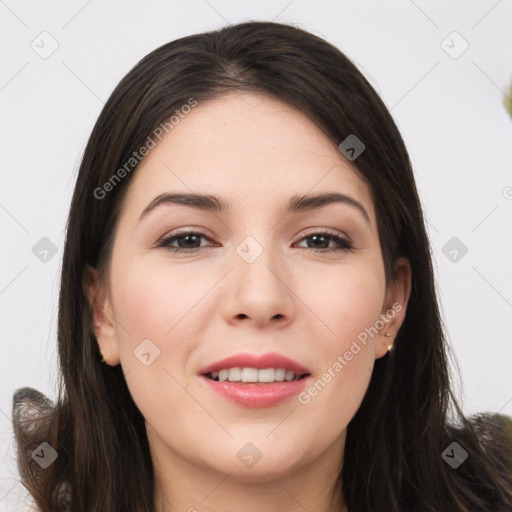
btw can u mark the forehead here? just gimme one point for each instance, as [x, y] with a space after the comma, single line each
[247, 147]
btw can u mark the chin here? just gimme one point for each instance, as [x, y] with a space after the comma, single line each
[260, 461]
[263, 471]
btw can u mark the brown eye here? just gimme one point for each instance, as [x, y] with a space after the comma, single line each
[320, 242]
[187, 241]
[190, 241]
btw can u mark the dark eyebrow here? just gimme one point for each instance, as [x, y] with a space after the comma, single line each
[309, 202]
[200, 201]
[296, 203]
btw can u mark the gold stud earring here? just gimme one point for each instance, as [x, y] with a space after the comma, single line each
[390, 346]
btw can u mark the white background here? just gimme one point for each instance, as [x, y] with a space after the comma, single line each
[449, 110]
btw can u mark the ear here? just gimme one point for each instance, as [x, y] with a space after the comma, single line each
[102, 315]
[395, 306]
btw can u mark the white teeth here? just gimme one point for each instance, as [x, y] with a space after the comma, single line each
[234, 374]
[254, 375]
[288, 375]
[280, 373]
[249, 375]
[267, 375]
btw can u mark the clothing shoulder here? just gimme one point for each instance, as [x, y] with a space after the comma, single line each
[31, 411]
[494, 433]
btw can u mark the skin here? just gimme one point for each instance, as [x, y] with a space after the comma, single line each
[200, 307]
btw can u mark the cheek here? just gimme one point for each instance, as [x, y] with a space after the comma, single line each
[349, 302]
[156, 302]
[159, 314]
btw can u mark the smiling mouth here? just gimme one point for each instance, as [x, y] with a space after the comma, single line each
[254, 375]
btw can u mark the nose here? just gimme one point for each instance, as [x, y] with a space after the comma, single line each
[258, 293]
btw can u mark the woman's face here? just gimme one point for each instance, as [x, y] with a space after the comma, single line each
[254, 279]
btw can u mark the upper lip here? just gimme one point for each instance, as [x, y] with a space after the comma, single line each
[258, 361]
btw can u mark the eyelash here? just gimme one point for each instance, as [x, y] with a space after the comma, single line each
[344, 243]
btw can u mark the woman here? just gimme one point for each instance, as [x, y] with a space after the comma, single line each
[247, 317]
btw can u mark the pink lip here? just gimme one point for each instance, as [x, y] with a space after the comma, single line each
[254, 395]
[268, 360]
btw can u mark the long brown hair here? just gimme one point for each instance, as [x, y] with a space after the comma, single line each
[409, 415]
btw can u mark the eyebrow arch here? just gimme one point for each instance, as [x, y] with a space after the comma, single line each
[296, 203]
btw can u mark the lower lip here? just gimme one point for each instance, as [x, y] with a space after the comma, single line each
[253, 394]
